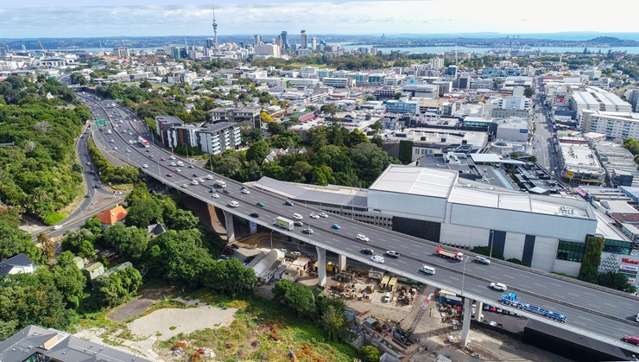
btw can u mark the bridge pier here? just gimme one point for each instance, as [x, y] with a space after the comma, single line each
[321, 265]
[230, 229]
[479, 311]
[252, 227]
[341, 262]
[468, 311]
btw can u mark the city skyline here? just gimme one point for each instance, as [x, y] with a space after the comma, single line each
[37, 18]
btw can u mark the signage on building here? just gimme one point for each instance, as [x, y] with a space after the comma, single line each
[630, 261]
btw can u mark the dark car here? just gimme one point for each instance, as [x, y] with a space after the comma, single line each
[288, 203]
[254, 214]
[261, 204]
[298, 223]
[631, 339]
[367, 251]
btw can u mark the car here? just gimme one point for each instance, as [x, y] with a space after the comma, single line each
[194, 182]
[245, 191]
[57, 227]
[336, 226]
[148, 151]
[481, 260]
[362, 237]
[637, 318]
[162, 159]
[178, 170]
[427, 269]
[169, 175]
[186, 186]
[115, 148]
[254, 214]
[297, 216]
[288, 203]
[234, 203]
[209, 177]
[323, 214]
[308, 231]
[260, 204]
[173, 164]
[145, 165]
[367, 251]
[194, 175]
[172, 157]
[631, 339]
[128, 150]
[314, 216]
[88, 163]
[190, 165]
[392, 253]
[112, 140]
[498, 286]
[298, 223]
[215, 196]
[377, 259]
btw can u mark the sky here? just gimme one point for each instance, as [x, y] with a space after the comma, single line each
[91, 18]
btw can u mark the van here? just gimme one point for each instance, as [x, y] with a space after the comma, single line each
[427, 270]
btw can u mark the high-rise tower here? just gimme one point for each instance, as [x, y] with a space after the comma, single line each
[303, 39]
[214, 25]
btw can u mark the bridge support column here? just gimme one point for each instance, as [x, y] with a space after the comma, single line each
[252, 227]
[230, 229]
[341, 262]
[468, 311]
[321, 265]
[479, 311]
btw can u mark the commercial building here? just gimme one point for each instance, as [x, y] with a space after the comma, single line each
[421, 90]
[266, 50]
[34, 343]
[619, 163]
[432, 141]
[615, 125]
[513, 129]
[597, 99]
[544, 232]
[246, 115]
[580, 165]
[401, 106]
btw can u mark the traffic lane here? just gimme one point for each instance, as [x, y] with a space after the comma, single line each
[238, 186]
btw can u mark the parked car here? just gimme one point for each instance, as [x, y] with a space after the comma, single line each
[498, 286]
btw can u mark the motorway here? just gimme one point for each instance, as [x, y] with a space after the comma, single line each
[594, 312]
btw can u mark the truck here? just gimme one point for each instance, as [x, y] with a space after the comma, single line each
[143, 141]
[450, 254]
[511, 299]
[284, 223]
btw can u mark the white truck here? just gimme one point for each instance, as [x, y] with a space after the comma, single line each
[284, 223]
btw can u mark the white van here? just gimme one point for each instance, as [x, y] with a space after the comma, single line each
[427, 269]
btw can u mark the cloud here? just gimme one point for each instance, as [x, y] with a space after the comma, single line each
[40, 18]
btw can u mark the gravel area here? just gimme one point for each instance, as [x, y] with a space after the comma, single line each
[170, 322]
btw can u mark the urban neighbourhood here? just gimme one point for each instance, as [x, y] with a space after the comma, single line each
[291, 197]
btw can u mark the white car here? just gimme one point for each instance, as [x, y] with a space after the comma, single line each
[209, 177]
[172, 157]
[173, 164]
[297, 216]
[378, 259]
[427, 270]
[498, 286]
[245, 191]
[115, 148]
[637, 318]
[392, 253]
[314, 216]
[323, 214]
[215, 196]
[194, 182]
[234, 203]
[362, 237]
[145, 165]
[481, 260]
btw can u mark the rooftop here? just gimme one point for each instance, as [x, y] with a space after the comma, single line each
[416, 180]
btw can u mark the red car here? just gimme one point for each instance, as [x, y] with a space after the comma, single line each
[631, 339]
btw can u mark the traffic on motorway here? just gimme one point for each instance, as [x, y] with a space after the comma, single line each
[596, 312]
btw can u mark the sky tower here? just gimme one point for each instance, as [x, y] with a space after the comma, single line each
[214, 25]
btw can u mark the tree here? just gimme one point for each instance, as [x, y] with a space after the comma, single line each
[333, 322]
[94, 225]
[369, 161]
[297, 296]
[265, 117]
[178, 256]
[322, 175]
[300, 171]
[69, 279]
[181, 219]
[80, 242]
[116, 288]
[329, 108]
[128, 241]
[14, 241]
[589, 270]
[370, 353]
[230, 277]
[143, 212]
[528, 92]
[356, 137]
[258, 151]
[616, 281]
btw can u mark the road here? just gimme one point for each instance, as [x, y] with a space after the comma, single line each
[592, 311]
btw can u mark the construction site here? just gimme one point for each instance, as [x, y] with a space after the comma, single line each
[407, 321]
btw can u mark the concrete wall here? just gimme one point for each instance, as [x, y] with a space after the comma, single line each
[464, 236]
[545, 253]
[405, 205]
[514, 247]
[566, 267]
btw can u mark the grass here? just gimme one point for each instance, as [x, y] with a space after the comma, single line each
[54, 217]
[263, 330]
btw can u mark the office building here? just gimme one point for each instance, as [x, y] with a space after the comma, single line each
[633, 97]
[580, 165]
[284, 41]
[432, 141]
[266, 50]
[401, 106]
[257, 39]
[421, 90]
[451, 71]
[337, 82]
[303, 40]
[597, 99]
